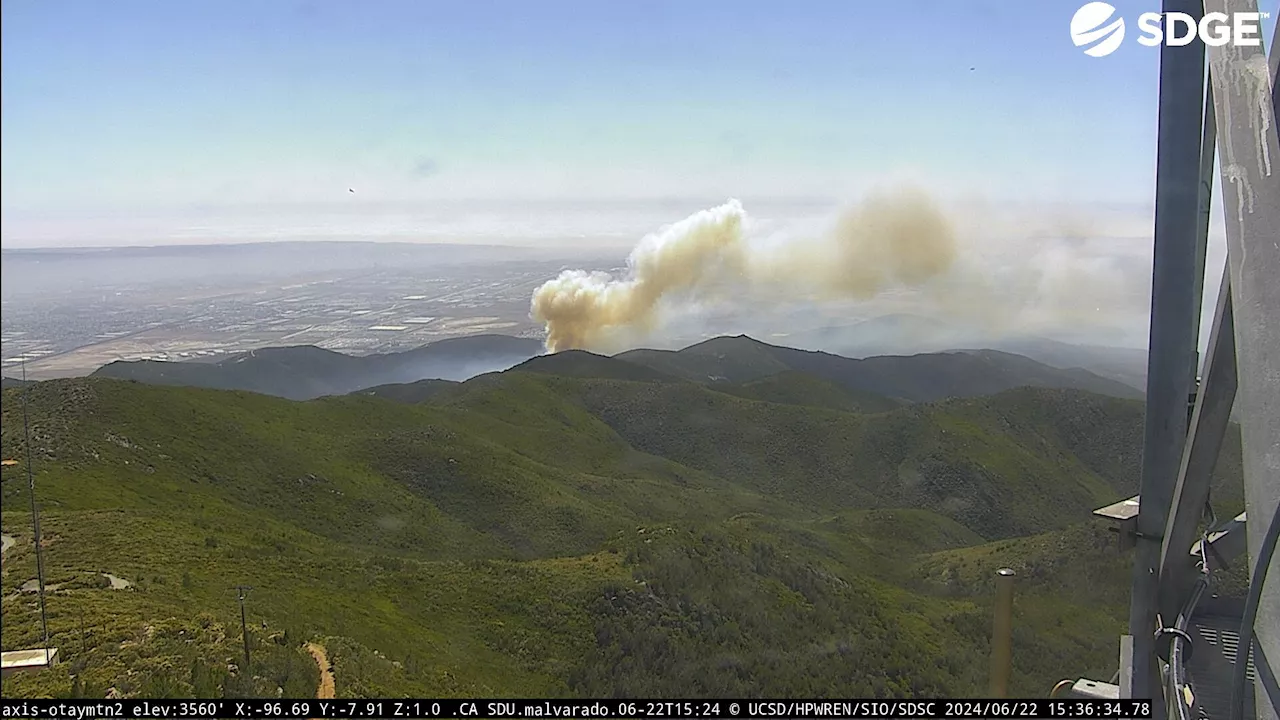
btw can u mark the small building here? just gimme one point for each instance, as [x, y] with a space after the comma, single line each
[27, 660]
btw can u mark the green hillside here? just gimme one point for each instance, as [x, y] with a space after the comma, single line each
[922, 456]
[1103, 434]
[925, 377]
[727, 359]
[413, 392]
[532, 534]
[796, 388]
[580, 363]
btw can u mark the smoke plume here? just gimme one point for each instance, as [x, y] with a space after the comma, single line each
[891, 240]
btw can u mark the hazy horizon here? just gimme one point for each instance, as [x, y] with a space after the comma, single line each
[145, 122]
[564, 222]
[572, 129]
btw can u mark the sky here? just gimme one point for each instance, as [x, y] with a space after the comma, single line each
[151, 122]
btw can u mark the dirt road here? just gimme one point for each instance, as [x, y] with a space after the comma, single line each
[326, 689]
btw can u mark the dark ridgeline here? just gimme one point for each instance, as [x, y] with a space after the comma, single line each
[306, 372]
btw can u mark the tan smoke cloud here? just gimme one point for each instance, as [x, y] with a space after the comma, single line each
[899, 239]
[890, 240]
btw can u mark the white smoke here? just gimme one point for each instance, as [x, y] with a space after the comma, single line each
[894, 252]
[889, 240]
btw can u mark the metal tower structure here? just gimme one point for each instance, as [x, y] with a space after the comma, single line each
[1197, 655]
[44, 656]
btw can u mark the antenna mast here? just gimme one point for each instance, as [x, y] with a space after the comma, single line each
[241, 591]
[35, 514]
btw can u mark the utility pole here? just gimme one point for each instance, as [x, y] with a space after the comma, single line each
[244, 623]
[1002, 635]
[35, 514]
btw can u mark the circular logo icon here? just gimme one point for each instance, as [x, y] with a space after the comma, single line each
[1090, 27]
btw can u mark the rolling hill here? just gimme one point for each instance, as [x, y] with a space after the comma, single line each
[792, 387]
[583, 364]
[581, 526]
[913, 378]
[908, 334]
[307, 372]
[1126, 365]
[414, 392]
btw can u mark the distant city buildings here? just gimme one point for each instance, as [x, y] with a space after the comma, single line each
[74, 333]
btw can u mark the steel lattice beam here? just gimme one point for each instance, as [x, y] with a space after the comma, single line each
[1174, 330]
[1214, 399]
[1209, 423]
[1250, 168]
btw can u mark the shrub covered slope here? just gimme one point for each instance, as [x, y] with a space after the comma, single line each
[597, 532]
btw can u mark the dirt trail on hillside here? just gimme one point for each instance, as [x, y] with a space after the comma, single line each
[326, 689]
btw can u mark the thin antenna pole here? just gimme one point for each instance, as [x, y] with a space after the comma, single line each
[244, 624]
[35, 513]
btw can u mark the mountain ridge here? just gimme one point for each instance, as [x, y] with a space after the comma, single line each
[585, 534]
[305, 372]
[916, 378]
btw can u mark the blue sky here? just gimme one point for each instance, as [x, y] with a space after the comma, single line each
[133, 108]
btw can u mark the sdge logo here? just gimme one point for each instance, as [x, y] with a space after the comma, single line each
[1096, 28]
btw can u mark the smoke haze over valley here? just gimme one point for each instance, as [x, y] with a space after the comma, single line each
[68, 312]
